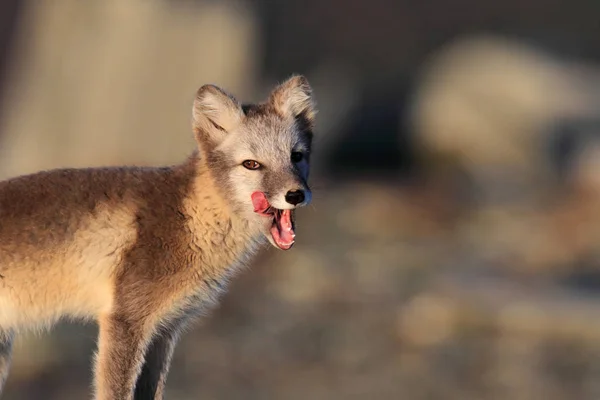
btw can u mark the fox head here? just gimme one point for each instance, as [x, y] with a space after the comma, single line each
[259, 153]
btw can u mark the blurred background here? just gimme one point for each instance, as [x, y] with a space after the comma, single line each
[453, 244]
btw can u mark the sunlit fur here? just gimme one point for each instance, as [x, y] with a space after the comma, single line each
[143, 250]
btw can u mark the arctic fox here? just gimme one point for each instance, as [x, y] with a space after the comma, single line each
[143, 250]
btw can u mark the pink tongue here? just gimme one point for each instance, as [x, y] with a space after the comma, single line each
[259, 201]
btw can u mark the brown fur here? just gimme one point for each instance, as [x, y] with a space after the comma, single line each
[140, 250]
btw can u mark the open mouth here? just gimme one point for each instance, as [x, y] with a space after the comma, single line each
[282, 229]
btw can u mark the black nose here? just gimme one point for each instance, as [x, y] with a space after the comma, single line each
[294, 197]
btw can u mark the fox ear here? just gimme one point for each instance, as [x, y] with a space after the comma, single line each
[215, 113]
[294, 99]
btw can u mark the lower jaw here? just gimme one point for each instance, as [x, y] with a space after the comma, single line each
[284, 248]
[272, 231]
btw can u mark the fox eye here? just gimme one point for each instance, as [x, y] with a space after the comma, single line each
[251, 164]
[297, 156]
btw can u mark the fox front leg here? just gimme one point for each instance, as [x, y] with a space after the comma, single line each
[6, 344]
[121, 348]
[151, 382]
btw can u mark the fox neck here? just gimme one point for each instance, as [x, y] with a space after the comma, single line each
[221, 239]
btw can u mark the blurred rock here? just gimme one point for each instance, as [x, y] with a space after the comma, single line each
[491, 102]
[114, 82]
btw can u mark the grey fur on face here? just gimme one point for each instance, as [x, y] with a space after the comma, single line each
[267, 133]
